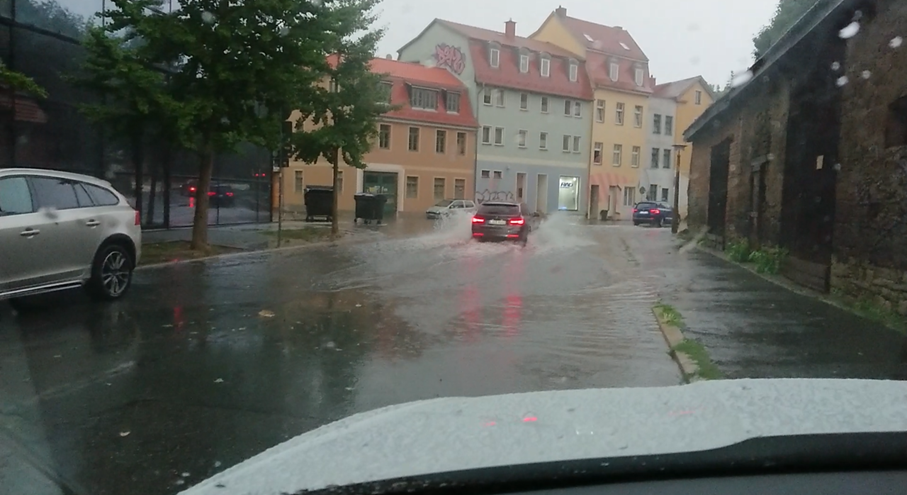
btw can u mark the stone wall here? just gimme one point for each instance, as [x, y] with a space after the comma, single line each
[885, 287]
[700, 167]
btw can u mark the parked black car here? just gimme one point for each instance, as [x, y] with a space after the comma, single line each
[503, 221]
[652, 213]
[221, 196]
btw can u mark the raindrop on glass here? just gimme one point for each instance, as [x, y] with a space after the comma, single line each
[838, 166]
[284, 31]
[741, 78]
[836, 66]
[330, 345]
[857, 15]
[896, 42]
[866, 74]
[207, 17]
[850, 30]
[842, 81]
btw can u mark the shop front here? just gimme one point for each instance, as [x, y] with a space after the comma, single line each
[568, 193]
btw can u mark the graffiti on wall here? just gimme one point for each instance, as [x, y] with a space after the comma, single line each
[450, 57]
[487, 195]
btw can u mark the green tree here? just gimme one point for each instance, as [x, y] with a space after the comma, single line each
[236, 68]
[20, 82]
[344, 113]
[786, 15]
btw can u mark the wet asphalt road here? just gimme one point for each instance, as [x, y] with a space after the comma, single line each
[205, 364]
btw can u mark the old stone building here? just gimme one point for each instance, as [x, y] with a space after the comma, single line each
[809, 154]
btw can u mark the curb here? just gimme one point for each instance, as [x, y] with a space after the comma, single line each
[674, 337]
[249, 252]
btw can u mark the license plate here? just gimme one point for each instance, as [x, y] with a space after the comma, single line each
[643, 213]
[497, 222]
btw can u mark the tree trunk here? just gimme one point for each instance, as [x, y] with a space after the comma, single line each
[335, 222]
[200, 222]
[138, 157]
[166, 165]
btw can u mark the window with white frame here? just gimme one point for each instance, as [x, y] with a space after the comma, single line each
[699, 97]
[299, 184]
[656, 124]
[652, 193]
[629, 196]
[617, 156]
[577, 109]
[545, 66]
[439, 188]
[384, 136]
[425, 99]
[440, 141]
[543, 140]
[576, 143]
[521, 138]
[568, 107]
[494, 57]
[656, 156]
[486, 134]
[574, 72]
[665, 193]
[634, 157]
[459, 188]
[666, 158]
[498, 174]
[639, 77]
[637, 116]
[524, 63]
[486, 174]
[599, 110]
[566, 147]
[499, 97]
[412, 187]
[669, 125]
[614, 71]
[414, 139]
[461, 143]
[453, 102]
[524, 101]
[619, 114]
[597, 153]
[499, 136]
[486, 97]
[544, 104]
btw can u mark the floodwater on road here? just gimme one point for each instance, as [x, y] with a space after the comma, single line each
[205, 364]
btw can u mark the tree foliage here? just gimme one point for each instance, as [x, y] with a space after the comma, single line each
[20, 82]
[235, 69]
[786, 15]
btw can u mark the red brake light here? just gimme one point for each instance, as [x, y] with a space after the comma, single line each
[655, 211]
[138, 218]
[517, 221]
[211, 193]
[635, 210]
[230, 194]
[192, 189]
[478, 220]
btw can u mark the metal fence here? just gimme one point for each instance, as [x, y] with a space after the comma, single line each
[41, 38]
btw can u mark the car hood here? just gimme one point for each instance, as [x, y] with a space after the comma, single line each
[453, 434]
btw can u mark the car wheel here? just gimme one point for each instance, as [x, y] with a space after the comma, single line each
[111, 273]
[636, 224]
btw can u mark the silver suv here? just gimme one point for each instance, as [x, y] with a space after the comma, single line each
[60, 230]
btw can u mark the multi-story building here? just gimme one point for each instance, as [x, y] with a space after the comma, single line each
[689, 98]
[533, 104]
[425, 150]
[619, 76]
[658, 170]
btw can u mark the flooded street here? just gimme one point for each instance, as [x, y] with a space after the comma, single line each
[208, 363]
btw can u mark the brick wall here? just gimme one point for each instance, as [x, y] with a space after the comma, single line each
[700, 168]
[870, 237]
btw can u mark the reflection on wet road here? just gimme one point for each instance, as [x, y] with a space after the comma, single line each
[206, 364]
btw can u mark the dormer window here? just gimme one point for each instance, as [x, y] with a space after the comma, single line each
[424, 99]
[639, 76]
[524, 63]
[574, 71]
[494, 57]
[614, 71]
[545, 66]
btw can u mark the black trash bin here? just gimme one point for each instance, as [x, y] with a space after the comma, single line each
[318, 202]
[370, 207]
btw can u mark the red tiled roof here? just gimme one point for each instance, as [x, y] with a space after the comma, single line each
[675, 89]
[598, 66]
[604, 38]
[482, 34]
[27, 110]
[508, 75]
[403, 75]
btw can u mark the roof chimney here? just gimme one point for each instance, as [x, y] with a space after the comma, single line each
[652, 81]
[510, 29]
[561, 11]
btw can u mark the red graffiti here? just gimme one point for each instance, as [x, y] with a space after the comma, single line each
[450, 57]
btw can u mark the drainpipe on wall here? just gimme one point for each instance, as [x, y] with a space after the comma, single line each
[475, 161]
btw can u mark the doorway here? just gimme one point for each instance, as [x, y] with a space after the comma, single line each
[541, 194]
[593, 202]
[520, 187]
[382, 183]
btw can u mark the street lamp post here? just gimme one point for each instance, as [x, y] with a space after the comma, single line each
[675, 216]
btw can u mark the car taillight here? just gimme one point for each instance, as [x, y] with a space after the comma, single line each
[655, 212]
[138, 218]
[635, 210]
[230, 194]
[478, 220]
[192, 189]
[211, 193]
[517, 221]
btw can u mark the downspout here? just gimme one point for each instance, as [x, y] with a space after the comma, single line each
[475, 161]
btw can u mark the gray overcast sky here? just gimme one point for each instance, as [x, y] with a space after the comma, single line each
[681, 38]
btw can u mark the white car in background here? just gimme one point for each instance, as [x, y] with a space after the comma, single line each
[61, 230]
[448, 207]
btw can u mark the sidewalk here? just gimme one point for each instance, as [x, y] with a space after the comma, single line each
[753, 328]
[252, 236]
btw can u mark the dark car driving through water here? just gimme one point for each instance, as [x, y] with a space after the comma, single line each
[652, 213]
[500, 221]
